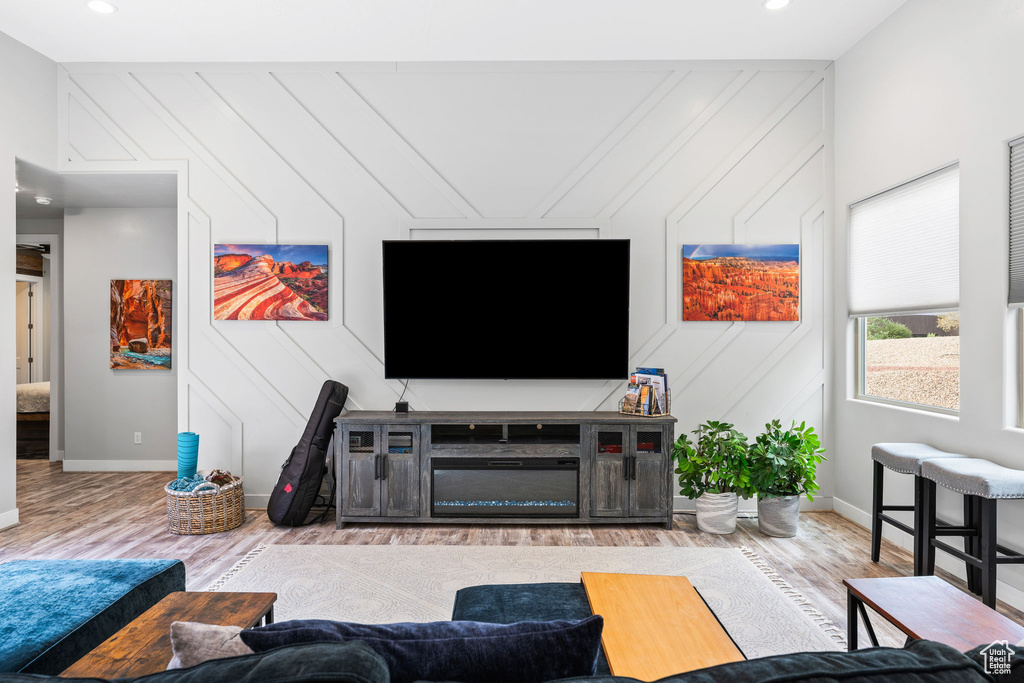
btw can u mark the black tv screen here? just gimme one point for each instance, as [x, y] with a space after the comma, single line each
[506, 309]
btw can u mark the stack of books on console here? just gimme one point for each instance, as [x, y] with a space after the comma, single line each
[647, 393]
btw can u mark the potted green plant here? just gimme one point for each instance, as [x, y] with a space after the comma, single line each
[712, 469]
[783, 465]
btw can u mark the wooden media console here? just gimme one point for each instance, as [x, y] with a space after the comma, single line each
[503, 467]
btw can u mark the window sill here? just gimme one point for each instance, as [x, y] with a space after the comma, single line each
[915, 408]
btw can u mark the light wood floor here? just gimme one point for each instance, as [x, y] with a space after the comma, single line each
[121, 515]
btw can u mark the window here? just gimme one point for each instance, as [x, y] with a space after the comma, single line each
[1016, 297]
[904, 284]
[912, 359]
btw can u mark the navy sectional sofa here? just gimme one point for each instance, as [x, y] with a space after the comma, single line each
[354, 662]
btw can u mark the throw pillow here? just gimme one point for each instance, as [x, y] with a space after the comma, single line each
[193, 643]
[465, 651]
[334, 662]
[307, 663]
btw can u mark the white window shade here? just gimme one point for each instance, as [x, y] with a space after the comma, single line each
[1017, 223]
[905, 248]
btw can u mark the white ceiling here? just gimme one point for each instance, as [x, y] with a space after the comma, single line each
[426, 30]
[90, 190]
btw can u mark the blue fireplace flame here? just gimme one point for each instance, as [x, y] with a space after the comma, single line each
[505, 503]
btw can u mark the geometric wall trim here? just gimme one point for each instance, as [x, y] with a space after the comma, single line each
[348, 155]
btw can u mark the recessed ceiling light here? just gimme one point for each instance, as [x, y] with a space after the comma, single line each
[45, 201]
[775, 4]
[101, 6]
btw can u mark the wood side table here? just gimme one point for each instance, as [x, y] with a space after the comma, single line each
[656, 626]
[144, 645]
[927, 608]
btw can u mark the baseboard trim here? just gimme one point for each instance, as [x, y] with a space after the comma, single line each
[57, 456]
[1008, 593]
[121, 466]
[9, 518]
[257, 500]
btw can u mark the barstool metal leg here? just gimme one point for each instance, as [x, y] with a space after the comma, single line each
[928, 515]
[920, 530]
[876, 512]
[988, 551]
[972, 544]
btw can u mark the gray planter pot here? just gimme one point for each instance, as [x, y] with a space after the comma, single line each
[778, 516]
[716, 513]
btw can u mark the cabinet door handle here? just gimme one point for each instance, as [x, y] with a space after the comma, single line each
[625, 467]
[376, 467]
[384, 467]
[633, 458]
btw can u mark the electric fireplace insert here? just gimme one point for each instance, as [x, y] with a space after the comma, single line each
[503, 487]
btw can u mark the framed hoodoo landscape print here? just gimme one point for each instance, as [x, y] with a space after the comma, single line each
[741, 282]
[140, 324]
[270, 282]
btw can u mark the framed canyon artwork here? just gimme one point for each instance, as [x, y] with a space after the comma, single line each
[140, 324]
[741, 282]
[269, 282]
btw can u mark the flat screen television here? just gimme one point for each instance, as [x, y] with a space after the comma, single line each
[506, 309]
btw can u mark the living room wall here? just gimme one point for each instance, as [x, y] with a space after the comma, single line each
[27, 122]
[105, 407]
[932, 85]
[663, 153]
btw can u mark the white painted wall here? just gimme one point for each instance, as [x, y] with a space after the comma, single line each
[27, 122]
[40, 226]
[105, 407]
[933, 84]
[664, 153]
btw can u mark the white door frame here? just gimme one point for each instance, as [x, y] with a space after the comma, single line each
[55, 328]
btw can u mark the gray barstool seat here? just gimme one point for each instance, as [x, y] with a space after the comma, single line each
[982, 483]
[905, 458]
[975, 477]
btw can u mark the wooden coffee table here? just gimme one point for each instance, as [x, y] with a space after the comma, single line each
[656, 626]
[144, 645]
[927, 608]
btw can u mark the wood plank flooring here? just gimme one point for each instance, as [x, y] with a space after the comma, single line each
[121, 515]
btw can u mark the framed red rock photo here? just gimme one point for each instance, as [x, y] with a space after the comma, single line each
[741, 282]
[270, 282]
[140, 324]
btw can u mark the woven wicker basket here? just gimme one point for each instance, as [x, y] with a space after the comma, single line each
[207, 510]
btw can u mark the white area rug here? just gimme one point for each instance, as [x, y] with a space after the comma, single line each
[381, 584]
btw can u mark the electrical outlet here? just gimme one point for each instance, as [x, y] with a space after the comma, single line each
[138, 437]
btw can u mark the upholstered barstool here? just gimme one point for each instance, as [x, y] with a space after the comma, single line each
[982, 483]
[904, 458]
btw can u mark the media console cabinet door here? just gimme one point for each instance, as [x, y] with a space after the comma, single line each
[360, 470]
[649, 471]
[400, 487]
[609, 483]
[630, 474]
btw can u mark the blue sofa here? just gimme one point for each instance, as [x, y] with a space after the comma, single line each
[354, 661]
[53, 612]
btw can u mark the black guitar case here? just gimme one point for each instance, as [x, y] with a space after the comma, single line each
[303, 471]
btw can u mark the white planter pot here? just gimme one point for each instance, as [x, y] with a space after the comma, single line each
[778, 516]
[716, 513]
